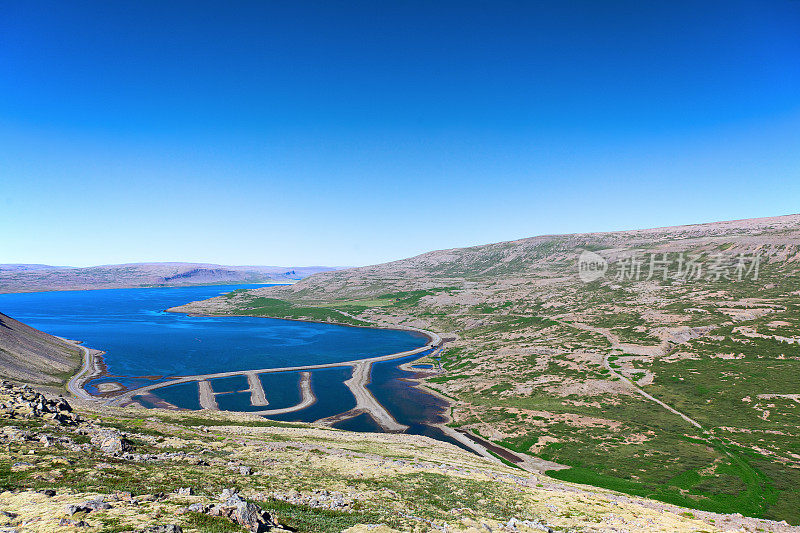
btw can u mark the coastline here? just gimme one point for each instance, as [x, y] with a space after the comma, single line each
[92, 367]
[128, 394]
[479, 445]
[419, 382]
[433, 342]
[183, 286]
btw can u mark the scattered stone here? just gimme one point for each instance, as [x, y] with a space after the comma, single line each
[514, 523]
[48, 492]
[62, 405]
[166, 528]
[149, 497]
[121, 496]
[73, 523]
[14, 434]
[318, 499]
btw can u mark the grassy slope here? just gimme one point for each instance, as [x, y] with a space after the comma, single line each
[403, 481]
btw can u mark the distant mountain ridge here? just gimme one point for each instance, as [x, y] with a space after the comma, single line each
[23, 267]
[35, 277]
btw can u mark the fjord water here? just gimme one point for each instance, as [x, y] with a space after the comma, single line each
[141, 339]
[145, 344]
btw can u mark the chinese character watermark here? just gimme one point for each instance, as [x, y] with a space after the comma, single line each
[667, 266]
[591, 266]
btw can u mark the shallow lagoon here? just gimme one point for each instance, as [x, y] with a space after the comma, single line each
[145, 344]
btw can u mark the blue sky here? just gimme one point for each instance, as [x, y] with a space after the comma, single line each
[350, 133]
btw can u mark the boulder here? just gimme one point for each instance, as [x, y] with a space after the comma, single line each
[97, 505]
[246, 514]
[110, 442]
[76, 508]
[87, 507]
[199, 508]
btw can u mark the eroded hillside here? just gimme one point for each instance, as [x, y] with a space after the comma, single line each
[32, 356]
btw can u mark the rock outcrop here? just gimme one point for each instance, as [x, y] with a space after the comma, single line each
[246, 514]
[23, 402]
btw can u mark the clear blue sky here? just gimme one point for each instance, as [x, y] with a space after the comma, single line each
[349, 133]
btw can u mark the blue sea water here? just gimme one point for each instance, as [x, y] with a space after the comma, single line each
[184, 394]
[142, 340]
[333, 396]
[282, 389]
[229, 384]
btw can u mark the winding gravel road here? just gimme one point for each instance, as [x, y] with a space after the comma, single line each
[617, 345]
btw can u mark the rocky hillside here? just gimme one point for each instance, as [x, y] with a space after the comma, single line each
[660, 362]
[25, 278]
[775, 238]
[99, 469]
[32, 356]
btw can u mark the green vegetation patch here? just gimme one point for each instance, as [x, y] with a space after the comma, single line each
[305, 518]
[275, 308]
